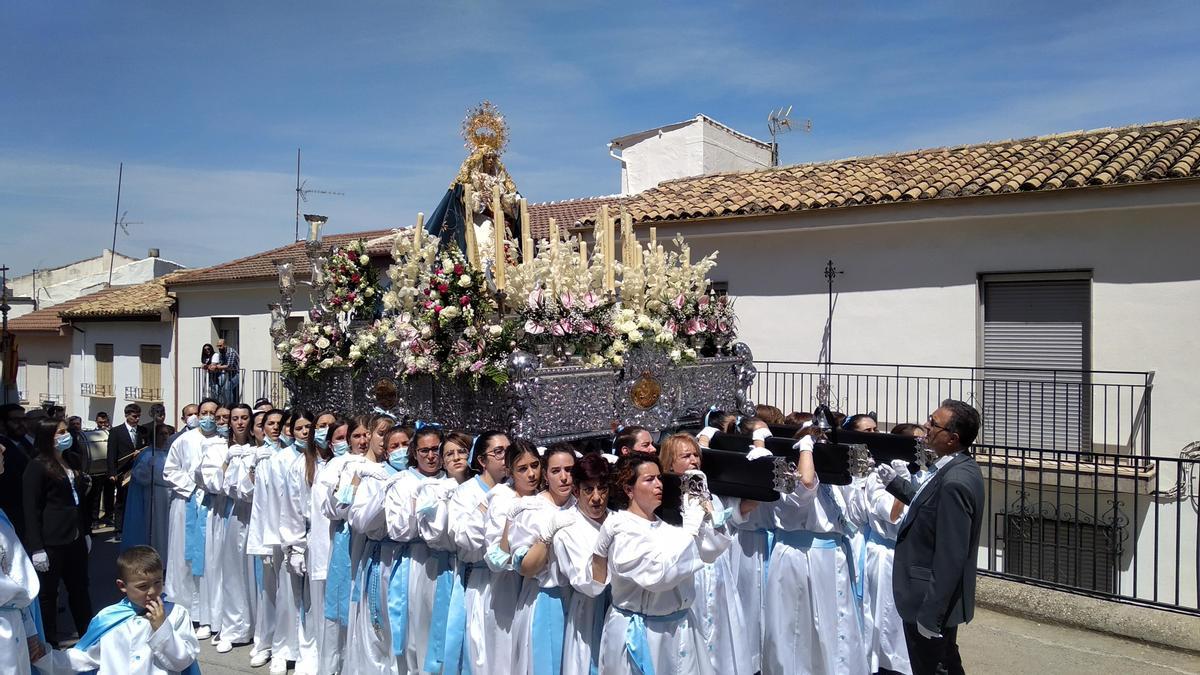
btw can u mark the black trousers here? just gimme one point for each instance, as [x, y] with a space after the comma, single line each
[69, 564]
[933, 655]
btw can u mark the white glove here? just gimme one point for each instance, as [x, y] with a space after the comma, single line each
[706, 434]
[87, 539]
[761, 434]
[886, 473]
[926, 633]
[693, 518]
[901, 468]
[268, 560]
[41, 561]
[758, 453]
[612, 459]
[446, 492]
[604, 540]
[559, 521]
[804, 444]
[296, 562]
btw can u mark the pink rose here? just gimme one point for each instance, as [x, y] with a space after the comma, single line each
[590, 301]
[534, 301]
[566, 299]
[678, 302]
[533, 328]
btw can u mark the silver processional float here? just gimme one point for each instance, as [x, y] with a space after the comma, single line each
[479, 324]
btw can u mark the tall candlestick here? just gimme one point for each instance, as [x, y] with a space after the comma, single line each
[469, 225]
[609, 238]
[526, 251]
[553, 240]
[418, 230]
[685, 255]
[653, 238]
[500, 261]
[583, 259]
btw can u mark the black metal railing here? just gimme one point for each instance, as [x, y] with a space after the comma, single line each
[144, 394]
[268, 384]
[226, 388]
[1097, 413]
[1122, 531]
[95, 390]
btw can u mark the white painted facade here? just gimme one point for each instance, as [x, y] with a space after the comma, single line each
[127, 338]
[694, 147]
[39, 355]
[46, 288]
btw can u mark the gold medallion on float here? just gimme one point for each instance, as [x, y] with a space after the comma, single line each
[646, 391]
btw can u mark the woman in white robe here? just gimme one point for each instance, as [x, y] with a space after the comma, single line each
[468, 523]
[333, 440]
[262, 537]
[717, 608]
[442, 571]
[539, 623]
[813, 621]
[887, 648]
[294, 521]
[500, 597]
[239, 591]
[369, 631]
[651, 566]
[19, 586]
[210, 478]
[413, 570]
[573, 548]
[349, 444]
[285, 641]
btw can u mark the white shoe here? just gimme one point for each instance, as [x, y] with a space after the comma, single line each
[224, 646]
[215, 639]
[203, 633]
[260, 659]
[278, 666]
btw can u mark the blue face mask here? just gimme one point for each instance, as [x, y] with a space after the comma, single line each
[64, 442]
[300, 444]
[340, 448]
[320, 437]
[285, 441]
[398, 458]
[223, 430]
[208, 424]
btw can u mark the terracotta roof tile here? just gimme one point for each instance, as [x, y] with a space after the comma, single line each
[566, 213]
[147, 300]
[1135, 154]
[261, 266]
[48, 319]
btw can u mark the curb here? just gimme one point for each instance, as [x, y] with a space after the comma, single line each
[1159, 627]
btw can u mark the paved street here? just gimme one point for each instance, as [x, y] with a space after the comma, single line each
[992, 643]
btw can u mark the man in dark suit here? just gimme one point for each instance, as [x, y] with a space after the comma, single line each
[158, 415]
[18, 449]
[123, 441]
[933, 576]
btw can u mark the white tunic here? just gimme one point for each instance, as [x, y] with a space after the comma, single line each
[210, 478]
[132, 648]
[19, 588]
[254, 488]
[812, 618]
[369, 647]
[179, 472]
[588, 605]
[332, 639]
[294, 519]
[530, 518]
[238, 585]
[717, 608]
[289, 588]
[499, 599]
[887, 648]
[468, 523]
[652, 567]
[751, 555]
[401, 495]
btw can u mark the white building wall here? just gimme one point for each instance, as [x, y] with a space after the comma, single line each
[724, 152]
[199, 305]
[37, 350]
[127, 338]
[671, 153]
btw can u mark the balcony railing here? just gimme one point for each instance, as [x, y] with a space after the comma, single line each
[55, 399]
[225, 387]
[268, 384]
[1102, 415]
[144, 394]
[93, 390]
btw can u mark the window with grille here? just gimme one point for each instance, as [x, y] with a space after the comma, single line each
[151, 366]
[1071, 553]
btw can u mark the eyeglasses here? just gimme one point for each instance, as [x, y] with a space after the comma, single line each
[497, 452]
[428, 451]
[935, 425]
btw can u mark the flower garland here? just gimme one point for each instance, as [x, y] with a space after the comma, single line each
[352, 281]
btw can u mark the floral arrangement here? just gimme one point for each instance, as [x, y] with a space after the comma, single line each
[316, 346]
[562, 326]
[352, 282]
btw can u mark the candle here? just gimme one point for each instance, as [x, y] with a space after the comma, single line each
[500, 260]
[609, 237]
[653, 238]
[685, 255]
[527, 245]
[553, 240]
[526, 251]
[583, 260]
[418, 231]
[469, 224]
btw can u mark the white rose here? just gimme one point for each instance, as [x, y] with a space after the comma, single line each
[634, 337]
[308, 348]
[354, 353]
[450, 312]
[426, 331]
[470, 331]
[617, 361]
[690, 353]
[322, 343]
[465, 281]
[370, 292]
[328, 330]
[674, 355]
[364, 260]
[495, 330]
[327, 363]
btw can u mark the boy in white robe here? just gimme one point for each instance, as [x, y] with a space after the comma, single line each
[19, 588]
[140, 635]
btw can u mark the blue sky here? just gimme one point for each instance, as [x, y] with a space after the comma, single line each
[206, 102]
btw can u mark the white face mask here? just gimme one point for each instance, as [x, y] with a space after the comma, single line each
[193, 421]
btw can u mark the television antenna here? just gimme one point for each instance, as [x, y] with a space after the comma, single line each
[302, 194]
[119, 220]
[780, 122]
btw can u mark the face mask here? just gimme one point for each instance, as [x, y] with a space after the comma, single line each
[300, 444]
[340, 448]
[320, 437]
[63, 443]
[193, 421]
[208, 424]
[285, 441]
[398, 458]
[223, 430]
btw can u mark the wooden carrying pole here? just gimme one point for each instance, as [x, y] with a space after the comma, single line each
[469, 223]
[500, 263]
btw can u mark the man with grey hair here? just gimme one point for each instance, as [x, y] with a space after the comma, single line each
[933, 576]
